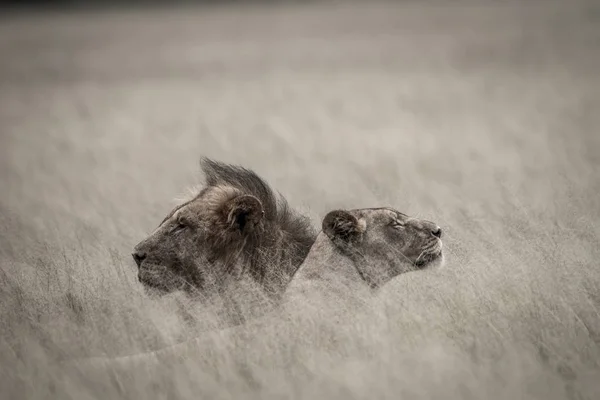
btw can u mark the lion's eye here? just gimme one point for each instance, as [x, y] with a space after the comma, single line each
[397, 224]
[178, 228]
[180, 225]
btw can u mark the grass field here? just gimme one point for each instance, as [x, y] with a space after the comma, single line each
[482, 117]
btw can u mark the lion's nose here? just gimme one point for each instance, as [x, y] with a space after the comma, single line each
[437, 232]
[138, 257]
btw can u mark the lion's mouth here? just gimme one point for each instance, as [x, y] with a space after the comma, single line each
[155, 281]
[423, 261]
[429, 256]
[153, 285]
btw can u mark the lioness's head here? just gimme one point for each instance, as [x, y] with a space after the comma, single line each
[384, 242]
[235, 224]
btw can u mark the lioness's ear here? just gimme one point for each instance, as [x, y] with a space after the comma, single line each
[244, 212]
[341, 225]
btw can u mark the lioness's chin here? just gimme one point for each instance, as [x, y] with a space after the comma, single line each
[430, 261]
[437, 263]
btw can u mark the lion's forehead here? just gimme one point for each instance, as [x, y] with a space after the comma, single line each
[384, 213]
[414, 221]
[173, 213]
[208, 199]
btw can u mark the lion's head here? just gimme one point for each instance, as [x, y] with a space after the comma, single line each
[383, 242]
[234, 225]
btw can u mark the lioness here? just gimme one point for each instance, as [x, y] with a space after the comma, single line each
[234, 226]
[367, 247]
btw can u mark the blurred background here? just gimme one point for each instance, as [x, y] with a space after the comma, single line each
[479, 115]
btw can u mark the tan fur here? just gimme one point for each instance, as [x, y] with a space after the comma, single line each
[330, 275]
[366, 248]
[235, 227]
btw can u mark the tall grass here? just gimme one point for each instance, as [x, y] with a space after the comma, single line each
[479, 117]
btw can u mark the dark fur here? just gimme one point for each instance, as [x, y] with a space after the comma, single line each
[236, 219]
[284, 238]
[342, 228]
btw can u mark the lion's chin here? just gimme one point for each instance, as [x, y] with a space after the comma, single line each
[436, 264]
[156, 284]
[152, 288]
[430, 261]
[153, 291]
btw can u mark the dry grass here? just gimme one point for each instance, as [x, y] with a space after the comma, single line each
[482, 118]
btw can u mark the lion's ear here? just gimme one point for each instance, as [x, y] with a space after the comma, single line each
[243, 212]
[340, 225]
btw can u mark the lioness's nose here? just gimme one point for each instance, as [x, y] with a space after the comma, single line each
[437, 232]
[138, 257]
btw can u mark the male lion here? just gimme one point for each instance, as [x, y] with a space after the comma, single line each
[234, 226]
